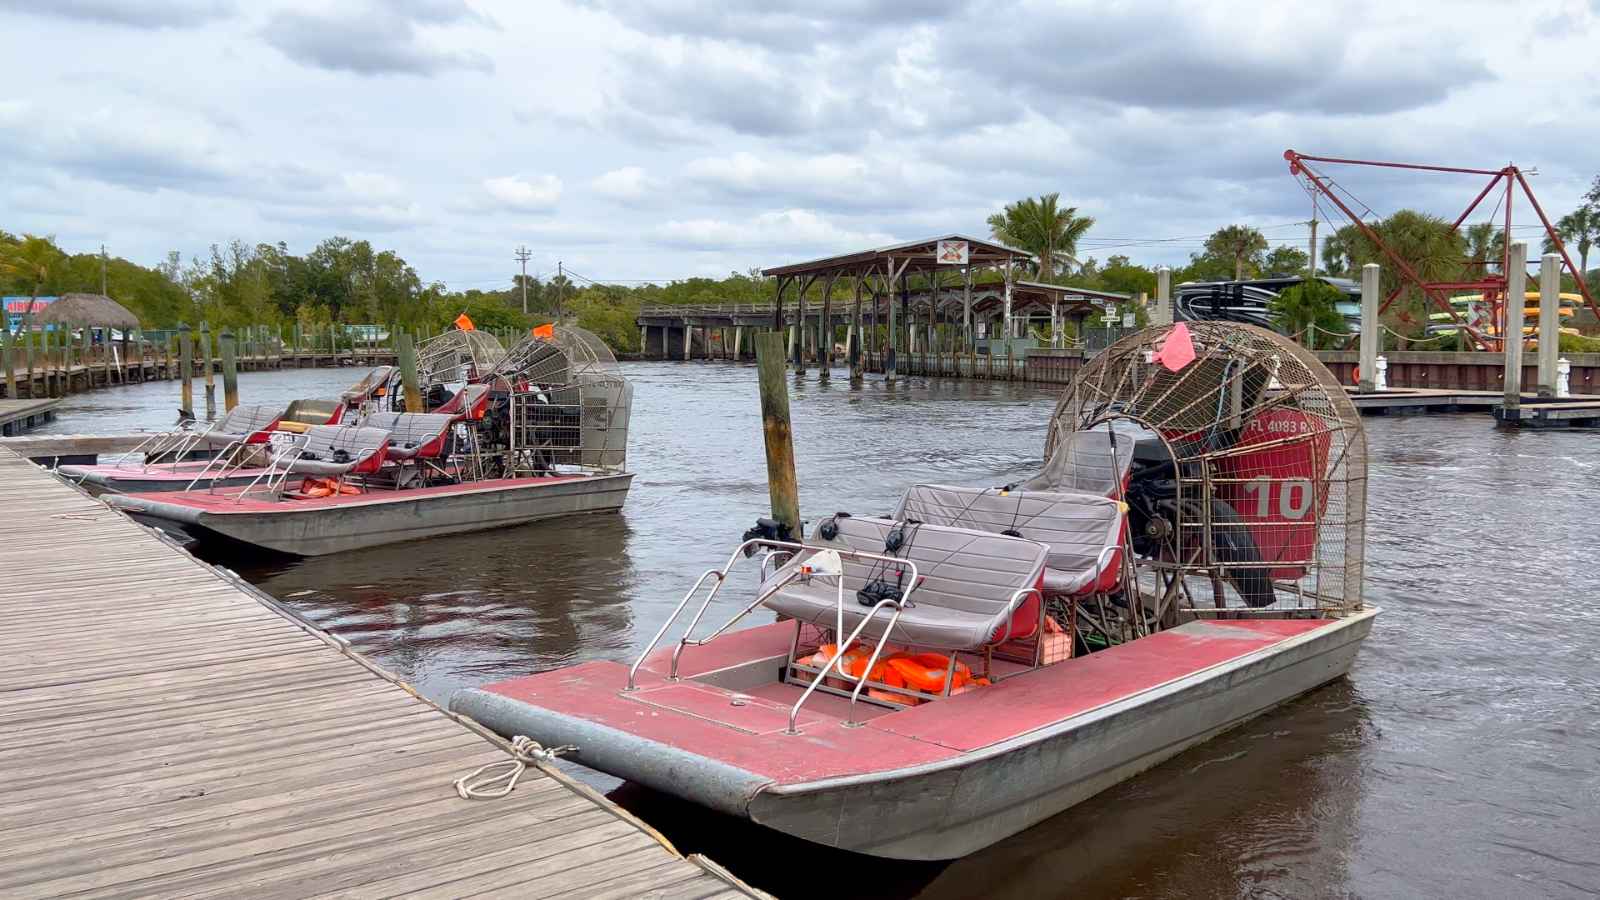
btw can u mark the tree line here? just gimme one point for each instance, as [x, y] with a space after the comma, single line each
[345, 281]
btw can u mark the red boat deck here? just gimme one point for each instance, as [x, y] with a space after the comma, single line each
[745, 730]
[226, 500]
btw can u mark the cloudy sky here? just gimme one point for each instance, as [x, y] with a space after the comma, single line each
[648, 139]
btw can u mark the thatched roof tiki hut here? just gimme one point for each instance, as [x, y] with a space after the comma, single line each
[91, 310]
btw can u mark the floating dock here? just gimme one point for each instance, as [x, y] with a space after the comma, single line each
[171, 730]
[17, 416]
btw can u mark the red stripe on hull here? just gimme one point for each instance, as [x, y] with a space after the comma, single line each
[745, 730]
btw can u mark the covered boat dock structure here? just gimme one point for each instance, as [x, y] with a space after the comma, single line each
[883, 274]
[953, 295]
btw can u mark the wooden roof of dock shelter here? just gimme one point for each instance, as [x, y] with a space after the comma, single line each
[889, 265]
[909, 257]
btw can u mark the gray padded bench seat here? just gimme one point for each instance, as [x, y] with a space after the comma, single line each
[1077, 528]
[363, 450]
[1088, 462]
[412, 434]
[965, 599]
[241, 424]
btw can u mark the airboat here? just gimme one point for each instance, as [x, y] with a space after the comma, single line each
[510, 436]
[170, 460]
[938, 679]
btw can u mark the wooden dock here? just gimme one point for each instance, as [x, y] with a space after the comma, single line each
[170, 730]
[1569, 413]
[17, 416]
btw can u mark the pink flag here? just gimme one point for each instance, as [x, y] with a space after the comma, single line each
[1178, 350]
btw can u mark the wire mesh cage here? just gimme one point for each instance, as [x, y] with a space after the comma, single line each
[569, 403]
[457, 357]
[1247, 464]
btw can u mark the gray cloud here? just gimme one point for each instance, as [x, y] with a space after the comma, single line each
[143, 14]
[376, 41]
[793, 26]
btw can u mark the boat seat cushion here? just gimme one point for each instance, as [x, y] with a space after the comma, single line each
[334, 450]
[413, 435]
[1077, 528]
[249, 424]
[470, 402]
[966, 598]
[1087, 462]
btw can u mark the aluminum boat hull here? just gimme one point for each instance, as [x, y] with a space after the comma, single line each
[948, 804]
[322, 526]
[98, 480]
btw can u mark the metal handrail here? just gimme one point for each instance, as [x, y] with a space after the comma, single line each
[838, 654]
[721, 575]
[225, 457]
[685, 641]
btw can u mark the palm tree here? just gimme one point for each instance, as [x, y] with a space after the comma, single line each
[1043, 229]
[1434, 251]
[30, 260]
[1486, 248]
[1336, 250]
[1580, 227]
[1241, 242]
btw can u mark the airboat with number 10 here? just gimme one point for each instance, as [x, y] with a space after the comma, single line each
[984, 657]
[508, 437]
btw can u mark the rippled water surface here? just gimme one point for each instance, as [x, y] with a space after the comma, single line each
[1461, 758]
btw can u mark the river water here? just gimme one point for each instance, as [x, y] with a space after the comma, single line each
[1461, 758]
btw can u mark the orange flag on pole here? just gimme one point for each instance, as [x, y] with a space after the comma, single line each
[464, 323]
[546, 332]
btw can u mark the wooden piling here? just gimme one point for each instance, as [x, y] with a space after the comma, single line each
[1516, 291]
[186, 367]
[779, 434]
[1549, 322]
[205, 361]
[1371, 329]
[230, 372]
[27, 358]
[7, 358]
[406, 358]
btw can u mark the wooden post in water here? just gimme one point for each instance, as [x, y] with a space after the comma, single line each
[186, 367]
[230, 372]
[406, 358]
[1549, 322]
[27, 351]
[775, 426]
[47, 351]
[205, 362]
[1516, 296]
[1371, 329]
[7, 359]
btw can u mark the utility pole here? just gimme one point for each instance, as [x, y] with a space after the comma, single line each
[522, 257]
[561, 290]
[102, 270]
[1312, 273]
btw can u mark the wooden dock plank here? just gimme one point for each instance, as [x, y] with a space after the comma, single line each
[170, 732]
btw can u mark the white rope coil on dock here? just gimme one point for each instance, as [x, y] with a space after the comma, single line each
[498, 779]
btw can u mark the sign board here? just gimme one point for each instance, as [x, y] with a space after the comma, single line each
[1128, 320]
[1111, 317]
[952, 253]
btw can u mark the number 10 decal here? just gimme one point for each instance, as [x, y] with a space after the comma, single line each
[1294, 497]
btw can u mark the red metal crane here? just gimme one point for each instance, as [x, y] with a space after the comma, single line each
[1493, 287]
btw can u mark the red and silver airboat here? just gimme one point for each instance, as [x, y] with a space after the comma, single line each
[984, 658]
[533, 433]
